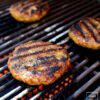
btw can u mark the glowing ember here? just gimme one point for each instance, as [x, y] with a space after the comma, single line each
[23, 98]
[50, 95]
[66, 84]
[60, 88]
[41, 87]
[35, 91]
[56, 91]
[67, 79]
[5, 71]
[57, 86]
[29, 94]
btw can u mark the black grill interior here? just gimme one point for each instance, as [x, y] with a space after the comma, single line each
[83, 81]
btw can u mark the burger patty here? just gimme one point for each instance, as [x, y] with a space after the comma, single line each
[86, 33]
[29, 10]
[37, 62]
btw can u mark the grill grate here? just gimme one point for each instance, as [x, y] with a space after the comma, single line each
[85, 73]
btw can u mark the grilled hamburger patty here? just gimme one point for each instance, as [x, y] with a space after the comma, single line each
[29, 10]
[86, 33]
[37, 62]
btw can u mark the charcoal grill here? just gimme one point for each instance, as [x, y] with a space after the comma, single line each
[81, 83]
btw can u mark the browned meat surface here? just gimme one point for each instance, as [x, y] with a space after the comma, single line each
[37, 62]
[86, 33]
[29, 10]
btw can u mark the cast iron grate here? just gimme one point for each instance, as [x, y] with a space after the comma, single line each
[85, 75]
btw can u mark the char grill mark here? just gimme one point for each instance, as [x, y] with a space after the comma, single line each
[37, 4]
[47, 61]
[34, 53]
[87, 35]
[34, 72]
[87, 29]
[50, 70]
[45, 57]
[75, 31]
[39, 8]
[32, 12]
[24, 8]
[53, 70]
[94, 22]
[92, 30]
[97, 32]
[97, 19]
[44, 60]
[79, 29]
[22, 49]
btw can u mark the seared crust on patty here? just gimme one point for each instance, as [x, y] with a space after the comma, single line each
[37, 62]
[29, 11]
[86, 33]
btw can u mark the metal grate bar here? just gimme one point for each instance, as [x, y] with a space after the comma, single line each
[10, 93]
[6, 85]
[88, 71]
[19, 38]
[95, 93]
[21, 94]
[84, 87]
[5, 76]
